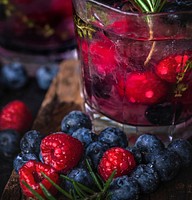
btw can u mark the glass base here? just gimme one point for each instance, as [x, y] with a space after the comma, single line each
[165, 133]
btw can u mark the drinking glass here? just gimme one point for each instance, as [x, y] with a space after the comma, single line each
[36, 30]
[136, 69]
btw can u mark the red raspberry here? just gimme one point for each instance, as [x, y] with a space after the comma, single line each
[123, 26]
[31, 174]
[17, 116]
[143, 87]
[103, 55]
[118, 159]
[61, 151]
[168, 68]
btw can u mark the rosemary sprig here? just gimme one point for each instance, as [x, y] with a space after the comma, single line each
[79, 191]
[150, 6]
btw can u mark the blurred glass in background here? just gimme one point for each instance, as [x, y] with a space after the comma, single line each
[36, 31]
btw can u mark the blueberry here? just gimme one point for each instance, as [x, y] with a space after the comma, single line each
[147, 177]
[148, 143]
[95, 151]
[30, 142]
[163, 114]
[23, 158]
[45, 75]
[14, 75]
[102, 86]
[137, 154]
[184, 149]
[9, 143]
[113, 137]
[79, 175]
[124, 188]
[84, 135]
[75, 120]
[178, 6]
[167, 163]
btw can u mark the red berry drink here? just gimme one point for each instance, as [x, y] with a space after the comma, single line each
[36, 27]
[136, 67]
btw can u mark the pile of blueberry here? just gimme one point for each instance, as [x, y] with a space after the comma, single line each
[14, 76]
[153, 162]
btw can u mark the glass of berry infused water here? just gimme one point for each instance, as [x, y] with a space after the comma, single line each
[36, 30]
[136, 64]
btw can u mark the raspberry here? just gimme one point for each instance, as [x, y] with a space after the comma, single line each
[30, 173]
[61, 151]
[17, 116]
[103, 55]
[124, 26]
[117, 159]
[143, 87]
[168, 68]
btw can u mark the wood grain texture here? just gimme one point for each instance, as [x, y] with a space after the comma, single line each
[63, 97]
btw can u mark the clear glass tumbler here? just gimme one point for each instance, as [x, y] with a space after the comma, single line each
[136, 69]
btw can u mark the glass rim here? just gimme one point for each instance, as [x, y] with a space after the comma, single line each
[138, 14]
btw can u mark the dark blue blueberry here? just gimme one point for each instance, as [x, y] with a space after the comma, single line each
[148, 143]
[30, 142]
[45, 75]
[137, 154]
[173, 8]
[147, 177]
[9, 143]
[14, 75]
[184, 149]
[86, 136]
[95, 151]
[75, 120]
[23, 158]
[102, 86]
[80, 175]
[163, 114]
[113, 137]
[167, 163]
[124, 188]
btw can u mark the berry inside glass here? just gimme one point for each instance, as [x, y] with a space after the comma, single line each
[136, 67]
[33, 26]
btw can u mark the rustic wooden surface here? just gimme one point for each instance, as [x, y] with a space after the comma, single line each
[63, 97]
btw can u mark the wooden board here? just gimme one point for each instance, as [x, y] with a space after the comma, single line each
[63, 97]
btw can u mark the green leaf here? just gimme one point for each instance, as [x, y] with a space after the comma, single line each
[150, 6]
[108, 182]
[93, 175]
[66, 194]
[46, 192]
[81, 186]
[37, 195]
